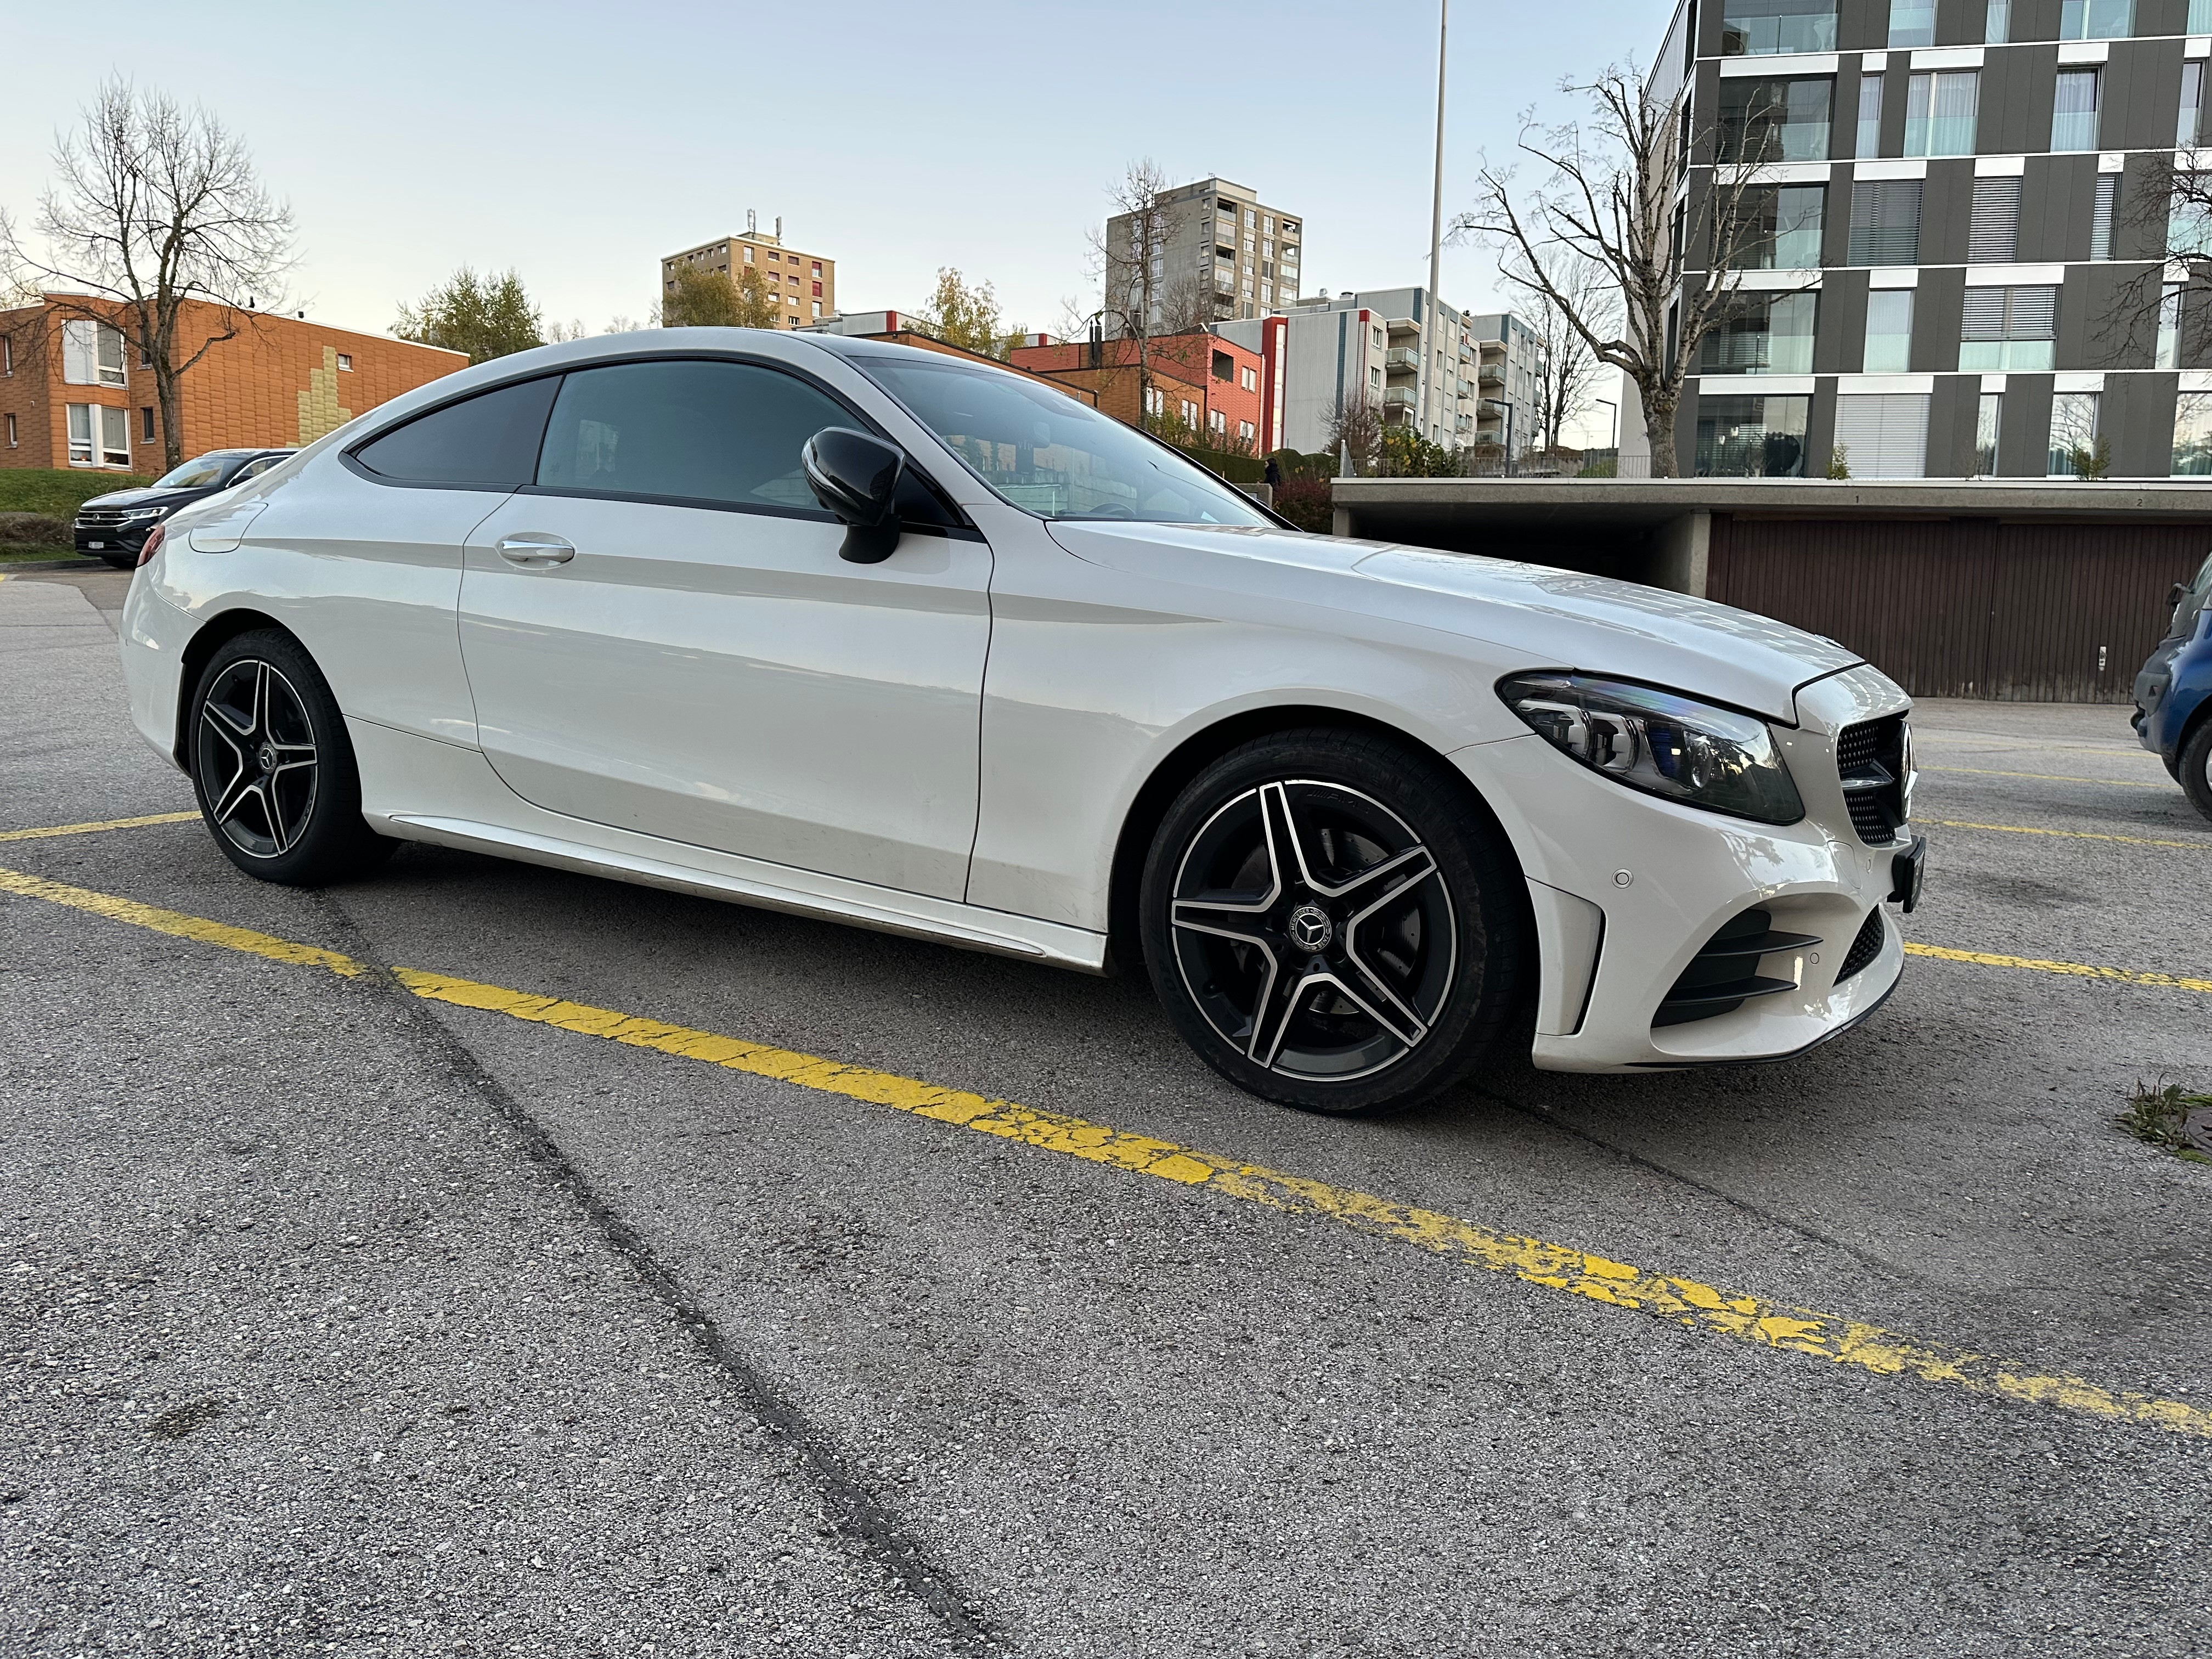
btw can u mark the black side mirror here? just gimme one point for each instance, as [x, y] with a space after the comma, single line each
[856, 477]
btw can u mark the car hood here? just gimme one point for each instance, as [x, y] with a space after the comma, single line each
[1536, 616]
[144, 497]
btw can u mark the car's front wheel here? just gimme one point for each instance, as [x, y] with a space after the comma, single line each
[2194, 770]
[1333, 921]
[272, 766]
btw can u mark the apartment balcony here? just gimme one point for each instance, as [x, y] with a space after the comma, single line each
[1401, 360]
[1464, 389]
[1400, 396]
[1490, 375]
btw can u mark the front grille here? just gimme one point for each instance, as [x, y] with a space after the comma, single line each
[1724, 976]
[1870, 762]
[1866, 947]
[100, 517]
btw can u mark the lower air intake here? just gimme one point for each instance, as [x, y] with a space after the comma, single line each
[1866, 947]
[1724, 976]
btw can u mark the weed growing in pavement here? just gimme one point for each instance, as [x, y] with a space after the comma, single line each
[2162, 1114]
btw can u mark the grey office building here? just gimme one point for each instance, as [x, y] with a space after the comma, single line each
[1967, 265]
[1226, 253]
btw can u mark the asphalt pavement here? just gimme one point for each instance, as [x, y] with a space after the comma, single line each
[374, 1303]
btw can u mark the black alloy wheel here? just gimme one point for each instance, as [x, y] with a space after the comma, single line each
[1330, 918]
[272, 767]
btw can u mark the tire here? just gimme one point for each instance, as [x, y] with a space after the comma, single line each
[272, 766]
[2194, 770]
[1334, 921]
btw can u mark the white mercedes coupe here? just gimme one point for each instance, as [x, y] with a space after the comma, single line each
[895, 638]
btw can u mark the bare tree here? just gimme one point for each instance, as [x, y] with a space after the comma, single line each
[1354, 429]
[1566, 366]
[1131, 254]
[1609, 201]
[154, 206]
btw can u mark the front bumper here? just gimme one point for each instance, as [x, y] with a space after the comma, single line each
[1626, 889]
[99, 539]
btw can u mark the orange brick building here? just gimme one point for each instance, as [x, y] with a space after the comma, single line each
[74, 392]
[1208, 383]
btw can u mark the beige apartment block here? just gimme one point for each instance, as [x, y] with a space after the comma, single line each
[805, 285]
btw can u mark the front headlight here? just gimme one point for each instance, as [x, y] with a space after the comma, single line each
[1660, 742]
[137, 513]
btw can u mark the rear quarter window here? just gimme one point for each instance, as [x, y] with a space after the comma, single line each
[490, 440]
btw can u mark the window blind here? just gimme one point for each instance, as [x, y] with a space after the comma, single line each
[2100, 228]
[1886, 221]
[1993, 234]
[2010, 313]
[1885, 436]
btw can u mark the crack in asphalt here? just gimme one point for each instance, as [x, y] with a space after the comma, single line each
[1553, 1119]
[881, 1535]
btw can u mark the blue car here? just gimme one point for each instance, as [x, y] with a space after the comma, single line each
[2173, 692]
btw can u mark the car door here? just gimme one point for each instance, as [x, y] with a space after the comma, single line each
[661, 637]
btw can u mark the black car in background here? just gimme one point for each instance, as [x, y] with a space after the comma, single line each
[113, 527]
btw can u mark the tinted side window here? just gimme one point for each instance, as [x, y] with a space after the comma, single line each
[490, 439]
[691, 430]
[255, 469]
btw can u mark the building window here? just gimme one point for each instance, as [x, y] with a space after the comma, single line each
[2200, 16]
[1870, 138]
[2192, 433]
[1783, 229]
[1939, 105]
[1886, 221]
[146, 424]
[2188, 227]
[1998, 22]
[98, 436]
[749, 256]
[1911, 23]
[92, 355]
[2074, 112]
[2169, 327]
[1885, 435]
[1755, 27]
[1759, 334]
[2008, 329]
[2073, 434]
[11, 432]
[1218, 423]
[817, 308]
[1773, 120]
[1989, 422]
[1752, 437]
[1155, 400]
[1889, 331]
[1190, 414]
[7, 354]
[2096, 19]
[2107, 210]
[1993, 226]
[1244, 430]
[345, 363]
[2192, 104]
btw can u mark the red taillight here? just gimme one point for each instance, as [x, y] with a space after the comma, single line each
[152, 545]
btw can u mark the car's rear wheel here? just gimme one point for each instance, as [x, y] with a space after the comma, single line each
[1333, 921]
[2194, 770]
[273, 768]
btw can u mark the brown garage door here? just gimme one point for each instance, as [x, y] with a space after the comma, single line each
[1967, 607]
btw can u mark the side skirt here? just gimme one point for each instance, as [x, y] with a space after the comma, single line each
[491, 818]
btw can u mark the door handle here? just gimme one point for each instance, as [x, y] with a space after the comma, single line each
[530, 549]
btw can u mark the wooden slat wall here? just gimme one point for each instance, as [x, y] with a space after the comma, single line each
[1967, 607]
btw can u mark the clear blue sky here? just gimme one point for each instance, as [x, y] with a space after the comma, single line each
[579, 143]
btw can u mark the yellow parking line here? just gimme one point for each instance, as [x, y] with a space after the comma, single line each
[1563, 1269]
[2071, 969]
[2053, 777]
[89, 829]
[2071, 834]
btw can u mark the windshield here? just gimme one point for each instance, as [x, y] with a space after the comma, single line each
[197, 474]
[1039, 449]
